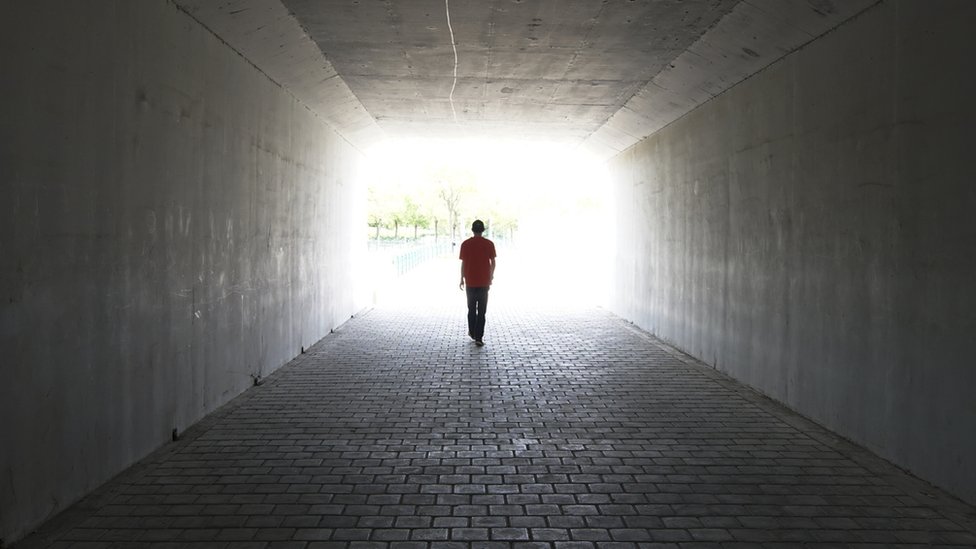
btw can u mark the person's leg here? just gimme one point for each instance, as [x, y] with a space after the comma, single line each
[479, 331]
[472, 295]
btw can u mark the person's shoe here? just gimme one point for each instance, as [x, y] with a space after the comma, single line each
[472, 336]
[479, 343]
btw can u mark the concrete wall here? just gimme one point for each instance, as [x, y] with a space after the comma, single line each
[172, 223]
[811, 232]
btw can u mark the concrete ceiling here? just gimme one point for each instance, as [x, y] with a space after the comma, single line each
[603, 74]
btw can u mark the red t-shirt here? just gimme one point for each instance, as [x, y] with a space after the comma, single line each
[477, 253]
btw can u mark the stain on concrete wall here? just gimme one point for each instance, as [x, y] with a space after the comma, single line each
[173, 224]
[810, 232]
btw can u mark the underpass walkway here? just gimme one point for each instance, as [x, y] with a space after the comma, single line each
[569, 429]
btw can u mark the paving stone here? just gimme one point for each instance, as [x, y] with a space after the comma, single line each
[569, 429]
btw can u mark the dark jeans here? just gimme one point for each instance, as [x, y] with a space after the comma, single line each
[477, 305]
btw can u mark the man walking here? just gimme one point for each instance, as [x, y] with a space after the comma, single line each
[477, 272]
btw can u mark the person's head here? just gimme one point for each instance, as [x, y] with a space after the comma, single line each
[478, 226]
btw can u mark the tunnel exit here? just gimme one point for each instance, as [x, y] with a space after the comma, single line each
[545, 205]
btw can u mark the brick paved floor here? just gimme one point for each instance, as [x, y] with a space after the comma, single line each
[567, 430]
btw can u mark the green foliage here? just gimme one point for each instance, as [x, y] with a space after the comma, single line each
[517, 189]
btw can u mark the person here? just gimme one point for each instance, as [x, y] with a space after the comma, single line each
[477, 272]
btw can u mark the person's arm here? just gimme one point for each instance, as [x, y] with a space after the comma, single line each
[492, 262]
[461, 285]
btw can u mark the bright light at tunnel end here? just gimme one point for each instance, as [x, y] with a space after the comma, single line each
[558, 193]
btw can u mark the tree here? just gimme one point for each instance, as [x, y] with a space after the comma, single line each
[375, 222]
[451, 195]
[385, 209]
[397, 219]
[376, 214]
[503, 222]
[414, 215]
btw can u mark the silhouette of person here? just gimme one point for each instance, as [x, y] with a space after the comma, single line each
[477, 272]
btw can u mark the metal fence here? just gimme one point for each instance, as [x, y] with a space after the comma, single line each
[402, 257]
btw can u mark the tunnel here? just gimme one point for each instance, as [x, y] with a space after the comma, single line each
[784, 356]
